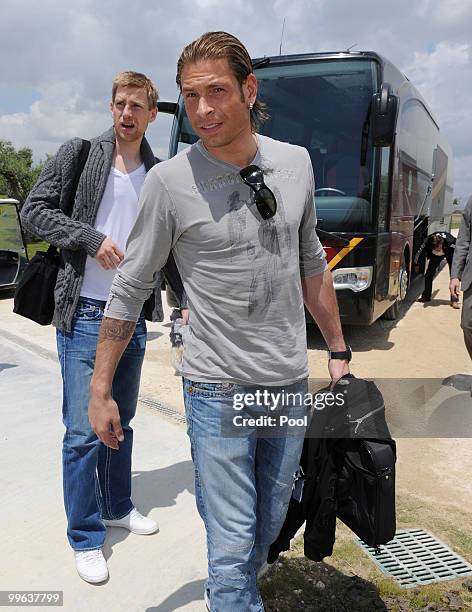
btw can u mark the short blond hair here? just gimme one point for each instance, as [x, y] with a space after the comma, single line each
[128, 78]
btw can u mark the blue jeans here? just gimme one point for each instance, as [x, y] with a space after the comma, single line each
[243, 484]
[96, 479]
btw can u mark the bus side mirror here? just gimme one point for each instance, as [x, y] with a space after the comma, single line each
[384, 116]
[170, 108]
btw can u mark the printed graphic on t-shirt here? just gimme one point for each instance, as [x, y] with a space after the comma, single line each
[268, 254]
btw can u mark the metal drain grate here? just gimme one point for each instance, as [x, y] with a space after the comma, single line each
[415, 557]
[167, 410]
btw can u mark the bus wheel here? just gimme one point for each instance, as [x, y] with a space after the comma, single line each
[393, 313]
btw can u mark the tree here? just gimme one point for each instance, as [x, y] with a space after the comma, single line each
[18, 173]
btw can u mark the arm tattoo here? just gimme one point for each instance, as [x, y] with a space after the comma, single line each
[114, 329]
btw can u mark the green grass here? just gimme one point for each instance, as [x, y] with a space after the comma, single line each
[32, 247]
[348, 581]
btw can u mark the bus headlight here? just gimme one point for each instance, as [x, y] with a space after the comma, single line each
[355, 279]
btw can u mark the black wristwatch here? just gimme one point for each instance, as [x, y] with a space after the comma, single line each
[347, 354]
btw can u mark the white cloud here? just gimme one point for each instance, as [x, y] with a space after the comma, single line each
[230, 4]
[15, 119]
[70, 52]
[443, 76]
[55, 117]
[430, 70]
[451, 11]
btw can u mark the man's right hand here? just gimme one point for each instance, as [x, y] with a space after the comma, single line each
[455, 287]
[109, 255]
[105, 420]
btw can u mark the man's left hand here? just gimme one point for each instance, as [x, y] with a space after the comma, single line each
[337, 369]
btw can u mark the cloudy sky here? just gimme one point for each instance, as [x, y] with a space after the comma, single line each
[58, 58]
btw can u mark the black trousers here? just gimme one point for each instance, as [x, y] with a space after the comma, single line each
[433, 265]
[466, 319]
[468, 340]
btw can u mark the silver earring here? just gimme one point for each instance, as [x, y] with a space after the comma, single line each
[251, 104]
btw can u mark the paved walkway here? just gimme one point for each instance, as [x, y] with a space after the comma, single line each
[159, 573]
[166, 571]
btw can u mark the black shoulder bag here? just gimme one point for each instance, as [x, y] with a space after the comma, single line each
[34, 295]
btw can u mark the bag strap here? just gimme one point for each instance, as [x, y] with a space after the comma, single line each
[83, 156]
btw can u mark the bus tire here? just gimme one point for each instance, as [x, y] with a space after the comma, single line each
[393, 313]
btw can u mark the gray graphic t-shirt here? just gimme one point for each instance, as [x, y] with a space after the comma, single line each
[241, 273]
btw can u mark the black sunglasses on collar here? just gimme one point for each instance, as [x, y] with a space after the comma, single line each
[265, 199]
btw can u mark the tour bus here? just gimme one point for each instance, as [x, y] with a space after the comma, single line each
[383, 170]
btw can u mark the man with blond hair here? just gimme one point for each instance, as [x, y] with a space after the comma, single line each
[237, 210]
[92, 239]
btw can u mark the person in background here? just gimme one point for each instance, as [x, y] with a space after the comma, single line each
[461, 273]
[435, 248]
[97, 480]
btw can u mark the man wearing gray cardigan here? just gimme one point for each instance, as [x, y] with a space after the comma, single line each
[461, 273]
[96, 479]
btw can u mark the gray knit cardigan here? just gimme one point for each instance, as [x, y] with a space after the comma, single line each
[43, 215]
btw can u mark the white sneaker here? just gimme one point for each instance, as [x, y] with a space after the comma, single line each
[135, 522]
[91, 565]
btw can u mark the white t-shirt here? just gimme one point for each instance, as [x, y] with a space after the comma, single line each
[115, 218]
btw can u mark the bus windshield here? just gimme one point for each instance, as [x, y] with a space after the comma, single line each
[324, 106]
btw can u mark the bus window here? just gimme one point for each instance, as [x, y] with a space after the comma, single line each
[384, 187]
[416, 140]
[325, 107]
[439, 185]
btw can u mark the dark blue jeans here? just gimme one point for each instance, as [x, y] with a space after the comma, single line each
[96, 479]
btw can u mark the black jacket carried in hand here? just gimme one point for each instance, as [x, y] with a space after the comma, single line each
[347, 471]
